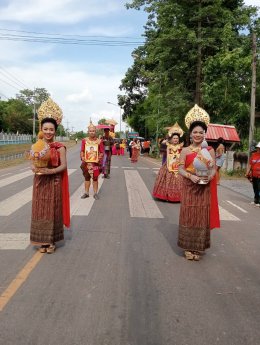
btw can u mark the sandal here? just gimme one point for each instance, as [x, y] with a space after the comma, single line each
[188, 255]
[43, 249]
[51, 249]
[196, 256]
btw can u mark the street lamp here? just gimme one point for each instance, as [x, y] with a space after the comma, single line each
[120, 115]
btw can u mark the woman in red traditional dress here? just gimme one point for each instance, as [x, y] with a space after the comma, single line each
[168, 181]
[50, 201]
[136, 147]
[199, 204]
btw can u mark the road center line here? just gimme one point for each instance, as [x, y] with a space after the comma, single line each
[238, 207]
[225, 215]
[19, 280]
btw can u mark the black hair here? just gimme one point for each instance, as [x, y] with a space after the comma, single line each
[171, 136]
[221, 140]
[198, 123]
[51, 120]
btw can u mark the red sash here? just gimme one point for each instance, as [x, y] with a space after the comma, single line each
[55, 162]
[214, 210]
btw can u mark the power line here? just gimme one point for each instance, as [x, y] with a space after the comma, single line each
[14, 78]
[9, 84]
[13, 81]
[69, 35]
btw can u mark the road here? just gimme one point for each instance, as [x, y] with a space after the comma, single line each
[119, 277]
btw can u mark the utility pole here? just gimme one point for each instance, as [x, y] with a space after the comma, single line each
[67, 128]
[34, 114]
[199, 61]
[253, 92]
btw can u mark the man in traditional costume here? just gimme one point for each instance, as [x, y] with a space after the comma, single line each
[168, 181]
[91, 155]
[199, 211]
[108, 143]
[50, 201]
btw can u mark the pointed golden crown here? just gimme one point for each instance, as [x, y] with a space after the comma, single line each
[91, 126]
[175, 129]
[50, 109]
[196, 114]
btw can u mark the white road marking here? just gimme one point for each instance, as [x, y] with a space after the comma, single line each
[225, 215]
[127, 167]
[24, 169]
[17, 241]
[82, 207]
[113, 167]
[12, 204]
[141, 203]
[238, 207]
[15, 178]
[6, 175]
[143, 168]
[156, 168]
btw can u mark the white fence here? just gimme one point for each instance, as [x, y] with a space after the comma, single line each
[10, 138]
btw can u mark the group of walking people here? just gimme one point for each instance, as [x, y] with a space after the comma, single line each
[180, 178]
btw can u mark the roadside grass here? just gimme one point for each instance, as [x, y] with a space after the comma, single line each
[233, 174]
[20, 148]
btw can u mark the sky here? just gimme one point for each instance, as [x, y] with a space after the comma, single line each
[82, 79]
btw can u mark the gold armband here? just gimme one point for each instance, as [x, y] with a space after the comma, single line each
[188, 175]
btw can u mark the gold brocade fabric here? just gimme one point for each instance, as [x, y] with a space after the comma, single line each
[173, 157]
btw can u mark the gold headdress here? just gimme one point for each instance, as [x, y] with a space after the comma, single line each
[50, 109]
[196, 114]
[175, 129]
[91, 126]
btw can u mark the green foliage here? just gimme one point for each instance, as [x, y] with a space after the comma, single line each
[16, 115]
[37, 96]
[194, 51]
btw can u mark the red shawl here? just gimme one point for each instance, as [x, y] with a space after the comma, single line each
[214, 210]
[55, 162]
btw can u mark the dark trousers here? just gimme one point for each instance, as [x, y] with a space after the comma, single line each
[256, 188]
[130, 151]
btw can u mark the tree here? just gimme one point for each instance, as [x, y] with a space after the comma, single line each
[175, 66]
[15, 116]
[37, 96]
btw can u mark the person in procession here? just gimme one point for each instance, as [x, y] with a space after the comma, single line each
[199, 211]
[108, 143]
[136, 147]
[253, 174]
[50, 200]
[220, 150]
[168, 181]
[91, 168]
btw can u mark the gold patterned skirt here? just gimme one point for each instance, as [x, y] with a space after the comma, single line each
[47, 221]
[194, 222]
[167, 185]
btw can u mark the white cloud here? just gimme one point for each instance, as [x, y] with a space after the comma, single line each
[252, 2]
[58, 11]
[84, 95]
[80, 93]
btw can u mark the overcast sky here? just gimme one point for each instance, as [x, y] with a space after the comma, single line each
[81, 79]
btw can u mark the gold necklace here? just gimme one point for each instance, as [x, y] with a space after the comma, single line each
[195, 149]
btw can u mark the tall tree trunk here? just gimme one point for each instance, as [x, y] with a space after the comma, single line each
[199, 61]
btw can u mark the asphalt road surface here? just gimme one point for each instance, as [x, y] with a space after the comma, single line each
[119, 277]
